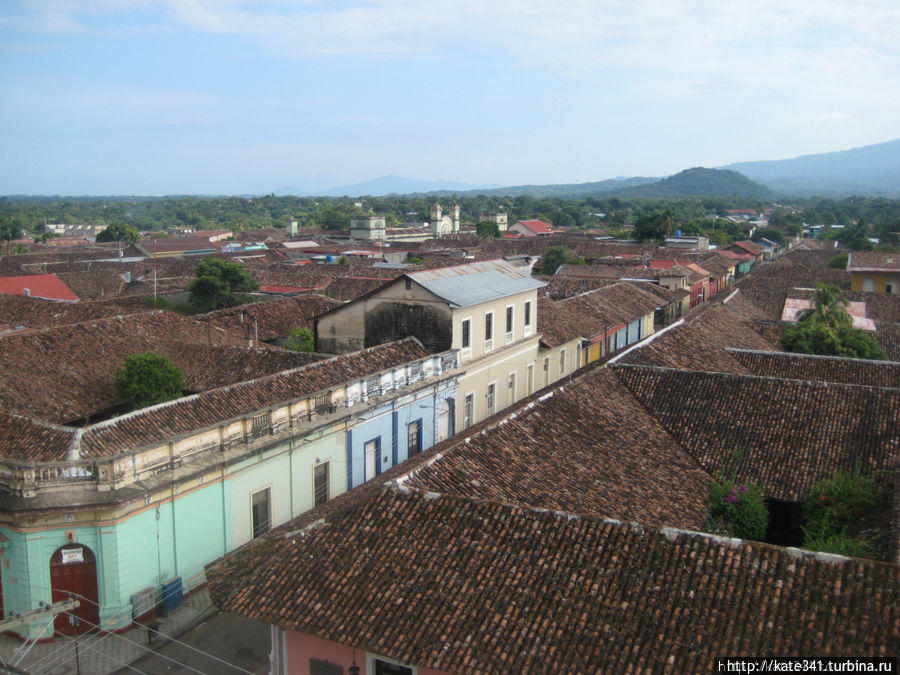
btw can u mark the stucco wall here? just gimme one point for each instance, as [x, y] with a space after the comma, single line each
[303, 647]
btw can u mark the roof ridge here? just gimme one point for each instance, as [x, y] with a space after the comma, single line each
[750, 376]
[823, 357]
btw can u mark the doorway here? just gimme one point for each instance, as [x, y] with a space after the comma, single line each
[73, 569]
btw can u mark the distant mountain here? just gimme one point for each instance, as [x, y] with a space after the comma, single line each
[699, 182]
[872, 170]
[385, 185]
[566, 189]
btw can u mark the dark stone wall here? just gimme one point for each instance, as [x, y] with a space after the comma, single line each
[394, 320]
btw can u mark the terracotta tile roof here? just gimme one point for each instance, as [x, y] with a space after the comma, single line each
[559, 287]
[480, 587]
[18, 310]
[873, 261]
[700, 340]
[210, 366]
[346, 289]
[29, 440]
[67, 373]
[613, 451]
[271, 319]
[783, 434]
[594, 312]
[45, 286]
[208, 408]
[819, 368]
[749, 247]
[536, 226]
[607, 271]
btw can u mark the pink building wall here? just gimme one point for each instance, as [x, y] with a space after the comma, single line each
[301, 647]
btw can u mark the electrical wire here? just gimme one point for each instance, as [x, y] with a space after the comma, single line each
[104, 655]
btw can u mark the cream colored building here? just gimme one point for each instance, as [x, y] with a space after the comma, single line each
[487, 310]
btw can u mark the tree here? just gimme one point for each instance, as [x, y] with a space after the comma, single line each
[488, 230]
[8, 232]
[856, 236]
[656, 225]
[119, 232]
[220, 283]
[301, 339]
[839, 262]
[553, 258]
[148, 378]
[828, 306]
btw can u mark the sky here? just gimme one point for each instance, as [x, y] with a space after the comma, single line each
[237, 97]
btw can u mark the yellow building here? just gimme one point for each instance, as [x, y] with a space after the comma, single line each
[874, 271]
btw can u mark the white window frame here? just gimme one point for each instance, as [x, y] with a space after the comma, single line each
[529, 379]
[512, 376]
[467, 423]
[327, 464]
[546, 369]
[510, 335]
[490, 407]
[489, 342]
[271, 488]
[465, 352]
[529, 313]
[562, 360]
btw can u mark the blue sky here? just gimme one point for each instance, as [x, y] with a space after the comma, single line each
[226, 96]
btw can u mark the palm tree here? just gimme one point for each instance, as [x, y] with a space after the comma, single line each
[8, 232]
[829, 306]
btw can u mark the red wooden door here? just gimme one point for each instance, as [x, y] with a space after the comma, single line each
[73, 569]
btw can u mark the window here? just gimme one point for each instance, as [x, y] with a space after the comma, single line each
[371, 449]
[488, 331]
[468, 410]
[528, 314]
[529, 379]
[562, 361]
[414, 438]
[320, 483]
[578, 356]
[373, 386]
[382, 666]
[323, 403]
[259, 426]
[466, 333]
[490, 398]
[510, 329]
[260, 513]
[511, 389]
[546, 370]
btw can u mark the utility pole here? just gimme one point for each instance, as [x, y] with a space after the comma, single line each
[44, 613]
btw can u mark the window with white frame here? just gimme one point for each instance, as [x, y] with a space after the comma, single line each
[488, 331]
[510, 324]
[511, 389]
[529, 379]
[546, 370]
[562, 360]
[466, 334]
[491, 399]
[529, 326]
[320, 483]
[468, 410]
[261, 511]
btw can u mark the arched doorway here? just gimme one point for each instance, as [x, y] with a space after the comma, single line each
[73, 569]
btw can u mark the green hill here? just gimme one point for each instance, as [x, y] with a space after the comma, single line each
[699, 182]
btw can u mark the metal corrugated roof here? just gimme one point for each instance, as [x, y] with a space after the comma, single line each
[472, 284]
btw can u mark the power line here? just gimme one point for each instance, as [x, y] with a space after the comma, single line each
[141, 647]
[106, 656]
[158, 633]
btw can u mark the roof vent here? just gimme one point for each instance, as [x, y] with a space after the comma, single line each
[27, 291]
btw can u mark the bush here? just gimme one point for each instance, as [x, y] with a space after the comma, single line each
[837, 502]
[839, 544]
[301, 339]
[838, 262]
[738, 509]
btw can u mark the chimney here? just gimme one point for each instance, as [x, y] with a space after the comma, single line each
[27, 292]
